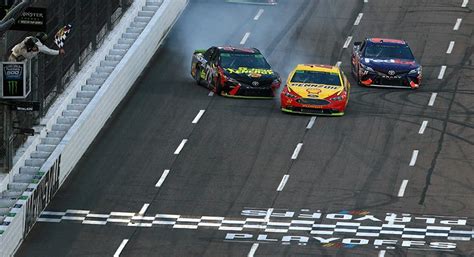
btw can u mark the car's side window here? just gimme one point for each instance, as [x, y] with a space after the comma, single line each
[215, 57]
[362, 46]
[208, 53]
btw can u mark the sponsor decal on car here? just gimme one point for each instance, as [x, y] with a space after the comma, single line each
[397, 61]
[245, 70]
[314, 86]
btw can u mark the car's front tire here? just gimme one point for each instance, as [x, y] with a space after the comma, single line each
[197, 75]
[217, 86]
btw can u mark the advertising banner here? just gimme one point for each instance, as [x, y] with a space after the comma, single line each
[15, 82]
[41, 195]
[32, 19]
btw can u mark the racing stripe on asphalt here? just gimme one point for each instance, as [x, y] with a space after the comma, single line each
[180, 146]
[348, 41]
[253, 250]
[432, 99]
[311, 122]
[423, 127]
[414, 156]
[162, 178]
[245, 38]
[259, 14]
[297, 151]
[198, 116]
[442, 71]
[403, 186]
[458, 24]
[120, 248]
[450, 47]
[359, 17]
[283, 182]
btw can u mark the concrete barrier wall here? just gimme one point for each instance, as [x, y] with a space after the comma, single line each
[13, 236]
[90, 122]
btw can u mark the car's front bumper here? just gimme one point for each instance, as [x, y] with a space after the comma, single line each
[313, 106]
[246, 91]
[399, 81]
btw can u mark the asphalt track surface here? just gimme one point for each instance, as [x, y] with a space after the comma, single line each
[355, 170]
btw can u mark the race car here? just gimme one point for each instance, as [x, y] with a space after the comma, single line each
[316, 89]
[385, 62]
[235, 72]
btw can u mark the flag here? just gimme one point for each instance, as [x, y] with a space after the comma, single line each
[61, 35]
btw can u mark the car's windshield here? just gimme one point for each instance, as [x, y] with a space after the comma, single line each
[248, 60]
[316, 77]
[381, 51]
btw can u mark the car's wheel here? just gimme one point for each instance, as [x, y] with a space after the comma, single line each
[353, 70]
[357, 78]
[197, 75]
[217, 86]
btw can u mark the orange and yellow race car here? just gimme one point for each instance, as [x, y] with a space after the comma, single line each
[316, 89]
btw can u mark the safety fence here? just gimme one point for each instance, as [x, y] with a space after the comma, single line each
[90, 20]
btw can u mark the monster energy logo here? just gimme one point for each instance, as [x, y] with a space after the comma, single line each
[12, 87]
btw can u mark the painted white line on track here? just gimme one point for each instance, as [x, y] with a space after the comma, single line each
[423, 127]
[414, 155]
[260, 12]
[244, 39]
[283, 183]
[180, 146]
[442, 71]
[458, 24]
[432, 99]
[450, 47]
[120, 249]
[162, 178]
[401, 192]
[297, 151]
[198, 116]
[382, 253]
[338, 64]
[366, 1]
[464, 3]
[359, 17]
[311, 122]
[210, 93]
[253, 250]
[143, 209]
[269, 213]
[348, 41]
[77, 211]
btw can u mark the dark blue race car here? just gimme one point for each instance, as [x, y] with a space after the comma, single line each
[385, 63]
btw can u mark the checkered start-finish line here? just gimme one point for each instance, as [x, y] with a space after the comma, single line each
[259, 224]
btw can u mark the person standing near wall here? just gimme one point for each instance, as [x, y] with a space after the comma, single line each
[30, 47]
